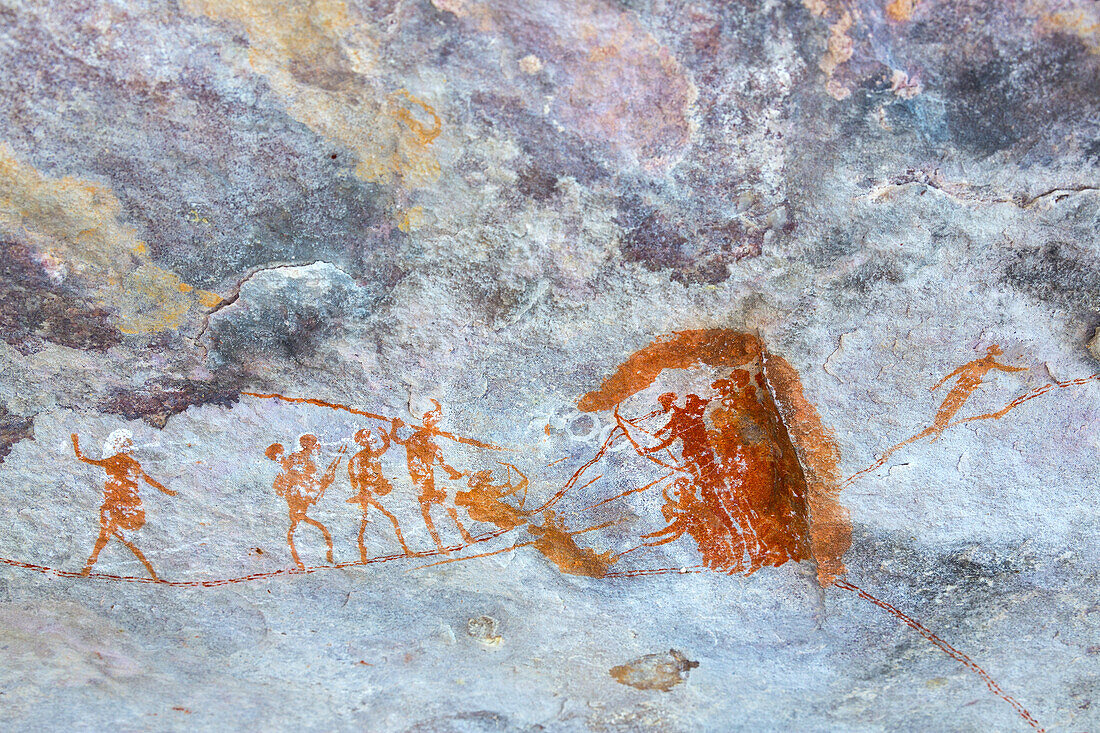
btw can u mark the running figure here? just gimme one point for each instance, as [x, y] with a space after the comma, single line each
[368, 483]
[422, 454]
[121, 512]
[298, 483]
[970, 376]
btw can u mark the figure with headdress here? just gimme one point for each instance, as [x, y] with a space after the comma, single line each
[121, 513]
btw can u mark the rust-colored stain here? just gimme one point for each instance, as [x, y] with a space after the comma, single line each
[654, 671]
[750, 488]
[819, 457]
[713, 347]
[300, 485]
[901, 10]
[121, 512]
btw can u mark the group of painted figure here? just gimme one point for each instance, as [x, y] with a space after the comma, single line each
[299, 483]
[737, 488]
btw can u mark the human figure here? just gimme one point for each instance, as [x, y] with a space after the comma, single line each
[686, 424]
[970, 376]
[299, 484]
[422, 454]
[484, 501]
[368, 483]
[121, 511]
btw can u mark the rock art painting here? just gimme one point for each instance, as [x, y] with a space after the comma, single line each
[572, 365]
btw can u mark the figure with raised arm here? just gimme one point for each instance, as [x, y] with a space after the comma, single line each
[422, 455]
[970, 377]
[121, 512]
[368, 483]
[299, 484]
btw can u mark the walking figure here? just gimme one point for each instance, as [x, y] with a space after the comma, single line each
[970, 376]
[121, 512]
[298, 483]
[422, 454]
[368, 483]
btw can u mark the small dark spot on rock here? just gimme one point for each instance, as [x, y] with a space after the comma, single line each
[537, 183]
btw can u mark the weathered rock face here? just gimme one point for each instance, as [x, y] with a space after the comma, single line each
[436, 365]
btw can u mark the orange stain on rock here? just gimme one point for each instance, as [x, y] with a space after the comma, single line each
[901, 10]
[554, 540]
[819, 457]
[682, 350]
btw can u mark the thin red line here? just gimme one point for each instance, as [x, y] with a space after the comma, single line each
[945, 648]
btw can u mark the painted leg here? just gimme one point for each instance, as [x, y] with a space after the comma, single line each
[293, 549]
[462, 530]
[100, 543]
[425, 509]
[328, 537]
[362, 547]
[396, 529]
[140, 556]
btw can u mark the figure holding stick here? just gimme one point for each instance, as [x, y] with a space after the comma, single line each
[299, 484]
[422, 455]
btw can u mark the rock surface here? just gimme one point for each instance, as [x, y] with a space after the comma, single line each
[514, 227]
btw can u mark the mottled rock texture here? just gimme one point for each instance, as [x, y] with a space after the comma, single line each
[476, 211]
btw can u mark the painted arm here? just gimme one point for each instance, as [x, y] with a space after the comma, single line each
[960, 370]
[1007, 368]
[153, 482]
[397, 423]
[521, 486]
[81, 456]
[664, 443]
